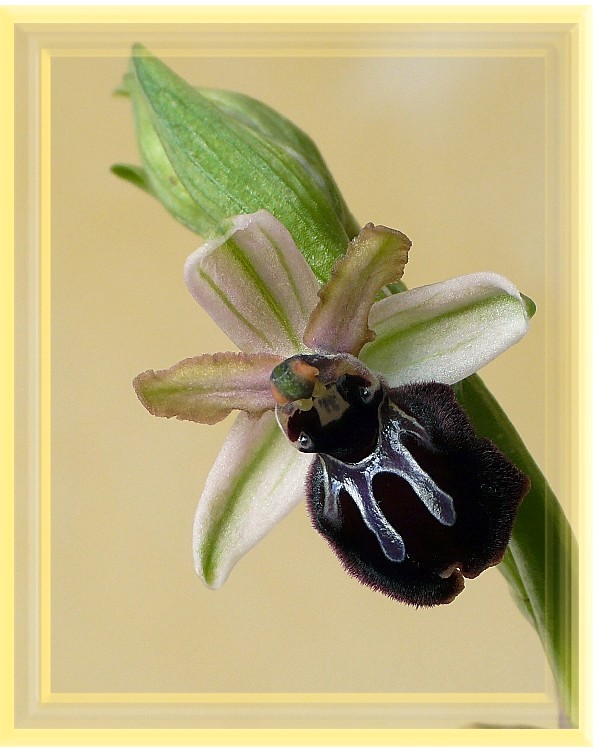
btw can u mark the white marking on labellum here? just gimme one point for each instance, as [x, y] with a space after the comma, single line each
[390, 456]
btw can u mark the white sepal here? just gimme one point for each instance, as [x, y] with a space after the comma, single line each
[257, 479]
[446, 331]
[256, 285]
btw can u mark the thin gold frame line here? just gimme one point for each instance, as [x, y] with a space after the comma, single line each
[313, 52]
[45, 373]
[46, 694]
[582, 184]
[575, 236]
[551, 136]
[46, 57]
[257, 14]
[7, 292]
[300, 698]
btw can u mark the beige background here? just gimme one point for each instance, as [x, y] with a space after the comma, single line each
[451, 150]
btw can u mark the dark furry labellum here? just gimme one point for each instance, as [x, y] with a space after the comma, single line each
[409, 497]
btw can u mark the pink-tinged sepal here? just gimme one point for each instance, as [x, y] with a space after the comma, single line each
[256, 480]
[255, 283]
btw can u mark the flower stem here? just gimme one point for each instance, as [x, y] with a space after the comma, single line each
[541, 562]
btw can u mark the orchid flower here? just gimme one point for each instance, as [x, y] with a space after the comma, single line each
[209, 154]
[346, 397]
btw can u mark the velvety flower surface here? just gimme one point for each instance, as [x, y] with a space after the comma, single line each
[409, 497]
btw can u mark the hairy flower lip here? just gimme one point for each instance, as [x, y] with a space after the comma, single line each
[486, 490]
[254, 282]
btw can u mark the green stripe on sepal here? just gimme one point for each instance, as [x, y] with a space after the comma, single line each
[229, 167]
[255, 284]
[446, 331]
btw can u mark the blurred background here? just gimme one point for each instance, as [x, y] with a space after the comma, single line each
[450, 149]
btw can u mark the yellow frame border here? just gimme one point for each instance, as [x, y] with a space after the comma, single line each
[581, 18]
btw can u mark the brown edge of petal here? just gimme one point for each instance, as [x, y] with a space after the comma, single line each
[159, 412]
[339, 274]
[140, 379]
[210, 416]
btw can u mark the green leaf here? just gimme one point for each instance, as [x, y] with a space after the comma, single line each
[276, 128]
[160, 178]
[512, 575]
[206, 166]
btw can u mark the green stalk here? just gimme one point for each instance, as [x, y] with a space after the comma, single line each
[541, 563]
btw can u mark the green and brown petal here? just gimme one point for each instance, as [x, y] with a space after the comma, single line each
[206, 388]
[375, 258]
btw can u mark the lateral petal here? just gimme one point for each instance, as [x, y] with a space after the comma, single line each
[255, 284]
[446, 331]
[374, 258]
[257, 479]
[206, 388]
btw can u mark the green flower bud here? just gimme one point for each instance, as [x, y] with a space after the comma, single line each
[208, 155]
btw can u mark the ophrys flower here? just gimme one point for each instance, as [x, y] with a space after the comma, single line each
[399, 483]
